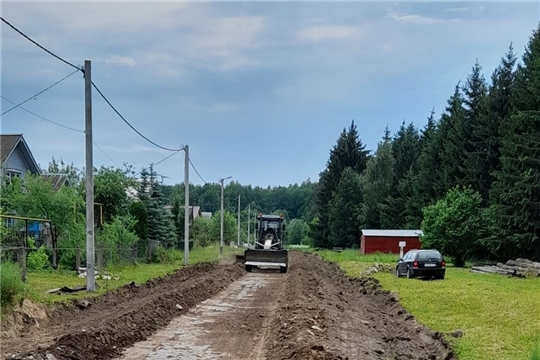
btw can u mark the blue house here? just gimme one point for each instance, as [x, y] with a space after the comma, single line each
[16, 160]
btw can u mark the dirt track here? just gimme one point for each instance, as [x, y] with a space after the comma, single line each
[312, 312]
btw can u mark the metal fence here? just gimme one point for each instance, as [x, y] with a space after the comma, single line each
[75, 258]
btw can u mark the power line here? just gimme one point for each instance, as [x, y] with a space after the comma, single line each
[131, 126]
[94, 85]
[61, 125]
[169, 156]
[39, 93]
[41, 47]
[41, 117]
[194, 168]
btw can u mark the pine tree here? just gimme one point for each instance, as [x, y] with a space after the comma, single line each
[517, 186]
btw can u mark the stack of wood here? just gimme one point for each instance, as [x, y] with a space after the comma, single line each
[516, 268]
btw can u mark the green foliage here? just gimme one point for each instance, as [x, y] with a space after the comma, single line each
[119, 232]
[453, 225]
[297, 232]
[535, 353]
[38, 259]
[229, 227]
[345, 210]
[166, 256]
[201, 232]
[110, 186]
[11, 284]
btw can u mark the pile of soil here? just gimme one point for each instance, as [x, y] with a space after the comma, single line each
[101, 327]
[323, 314]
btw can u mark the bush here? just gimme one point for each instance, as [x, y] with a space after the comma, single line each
[37, 260]
[11, 284]
[162, 255]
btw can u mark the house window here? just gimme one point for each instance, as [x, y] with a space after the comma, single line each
[11, 174]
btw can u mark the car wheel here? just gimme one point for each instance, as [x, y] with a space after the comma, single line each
[409, 273]
[398, 275]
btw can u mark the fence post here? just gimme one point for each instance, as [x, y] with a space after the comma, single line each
[134, 253]
[77, 258]
[149, 252]
[21, 257]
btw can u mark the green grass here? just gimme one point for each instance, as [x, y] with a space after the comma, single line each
[39, 282]
[500, 316]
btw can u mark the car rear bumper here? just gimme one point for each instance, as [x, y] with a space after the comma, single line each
[428, 271]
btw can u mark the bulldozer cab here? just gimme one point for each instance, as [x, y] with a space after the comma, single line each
[270, 231]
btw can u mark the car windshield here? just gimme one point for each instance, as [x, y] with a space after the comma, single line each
[425, 255]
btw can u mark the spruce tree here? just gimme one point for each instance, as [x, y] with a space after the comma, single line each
[452, 137]
[345, 210]
[517, 187]
[475, 101]
[429, 163]
[348, 152]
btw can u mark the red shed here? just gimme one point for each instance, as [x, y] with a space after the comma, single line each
[387, 241]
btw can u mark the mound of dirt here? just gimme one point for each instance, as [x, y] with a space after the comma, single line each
[323, 314]
[104, 326]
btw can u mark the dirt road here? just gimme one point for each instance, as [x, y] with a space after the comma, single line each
[221, 312]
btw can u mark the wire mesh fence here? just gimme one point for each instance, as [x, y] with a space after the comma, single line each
[74, 258]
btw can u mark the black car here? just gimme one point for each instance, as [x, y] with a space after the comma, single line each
[422, 263]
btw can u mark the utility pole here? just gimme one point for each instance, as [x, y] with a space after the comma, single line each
[238, 220]
[186, 210]
[249, 220]
[221, 231]
[90, 254]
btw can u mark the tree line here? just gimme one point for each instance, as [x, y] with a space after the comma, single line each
[470, 179]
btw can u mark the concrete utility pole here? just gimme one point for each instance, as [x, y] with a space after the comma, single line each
[186, 210]
[249, 220]
[238, 221]
[221, 231]
[90, 254]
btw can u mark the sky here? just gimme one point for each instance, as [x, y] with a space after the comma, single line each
[260, 91]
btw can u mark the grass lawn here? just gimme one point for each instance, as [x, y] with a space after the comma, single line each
[39, 282]
[500, 316]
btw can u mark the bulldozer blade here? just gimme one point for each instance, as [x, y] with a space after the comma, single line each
[261, 257]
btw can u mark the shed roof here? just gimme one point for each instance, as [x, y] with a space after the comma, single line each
[57, 180]
[393, 233]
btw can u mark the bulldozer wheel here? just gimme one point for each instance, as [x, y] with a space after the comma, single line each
[283, 269]
[248, 268]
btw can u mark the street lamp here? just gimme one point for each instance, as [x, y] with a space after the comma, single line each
[221, 232]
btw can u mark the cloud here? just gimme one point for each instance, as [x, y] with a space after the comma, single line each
[456, 9]
[415, 19]
[327, 32]
[119, 60]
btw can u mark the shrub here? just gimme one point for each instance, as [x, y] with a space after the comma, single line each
[38, 259]
[162, 255]
[11, 284]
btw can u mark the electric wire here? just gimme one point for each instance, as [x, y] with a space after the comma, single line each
[169, 156]
[61, 125]
[194, 168]
[41, 47]
[131, 126]
[78, 68]
[39, 93]
[93, 84]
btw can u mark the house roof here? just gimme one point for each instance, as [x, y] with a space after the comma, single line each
[57, 180]
[392, 233]
[9, 142]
